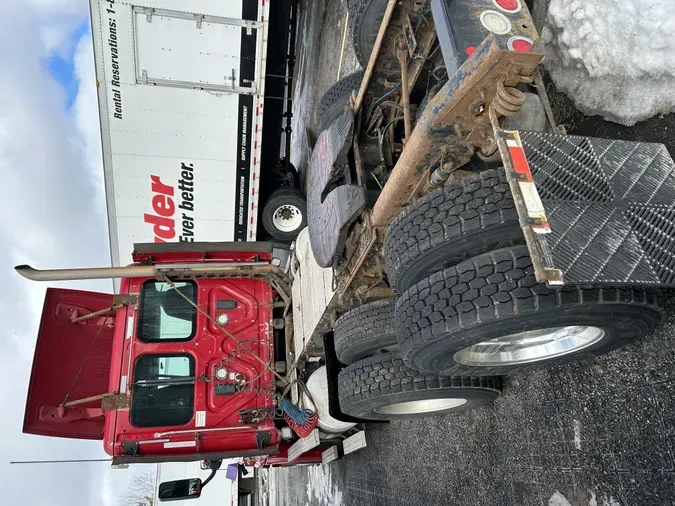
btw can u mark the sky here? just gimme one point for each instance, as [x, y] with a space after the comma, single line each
[52, 214]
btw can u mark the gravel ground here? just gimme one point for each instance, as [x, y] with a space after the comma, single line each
[601, 432]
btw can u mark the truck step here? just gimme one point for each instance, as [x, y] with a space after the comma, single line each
[354, 442]
[304, 445]
[330, 455]
[610, 206]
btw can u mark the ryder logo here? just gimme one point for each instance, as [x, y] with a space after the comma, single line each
[166, 212]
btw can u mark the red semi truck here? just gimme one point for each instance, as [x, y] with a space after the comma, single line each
[455, 235]
[167, 370]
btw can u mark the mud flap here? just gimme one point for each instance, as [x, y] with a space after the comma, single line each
[608, 208]
[332, 202]
[333, 368]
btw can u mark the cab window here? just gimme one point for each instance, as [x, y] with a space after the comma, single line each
[165, 315]
[163, 390]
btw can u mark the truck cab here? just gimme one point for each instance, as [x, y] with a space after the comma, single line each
[165, 370]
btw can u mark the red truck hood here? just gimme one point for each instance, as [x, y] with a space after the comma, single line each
[59, 354]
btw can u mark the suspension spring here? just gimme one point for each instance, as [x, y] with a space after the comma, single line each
[508, 101]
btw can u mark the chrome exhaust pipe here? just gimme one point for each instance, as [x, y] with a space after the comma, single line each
[231, 269]
[85, 273]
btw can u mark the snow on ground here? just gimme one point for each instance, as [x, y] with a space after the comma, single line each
[320, 487]
[613, 58]
[558, 499]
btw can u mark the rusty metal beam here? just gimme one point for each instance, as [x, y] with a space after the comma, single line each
[426, 39]
[373, 55]
[449, 119]
[109, 311]
[402, 55]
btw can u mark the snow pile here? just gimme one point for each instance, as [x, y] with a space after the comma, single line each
[605, 501]
[557, 499]
[615, 58]
[320, 487]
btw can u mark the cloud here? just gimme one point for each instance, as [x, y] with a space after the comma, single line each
[52, 214]
[56, 19]
[85, 114]
[61, 64]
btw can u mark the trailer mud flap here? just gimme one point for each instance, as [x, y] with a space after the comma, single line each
[333, 368]
[610, 206]
[332, 202]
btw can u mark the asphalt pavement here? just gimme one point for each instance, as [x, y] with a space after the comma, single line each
[600, 432]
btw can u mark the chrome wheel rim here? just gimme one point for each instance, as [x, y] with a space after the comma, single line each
[530, 346]
[287, 218]
[421, 406]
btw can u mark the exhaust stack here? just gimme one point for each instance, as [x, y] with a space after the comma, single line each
[29, 272]
[215, 269]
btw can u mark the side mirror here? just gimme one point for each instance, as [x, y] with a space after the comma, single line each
[180, 489]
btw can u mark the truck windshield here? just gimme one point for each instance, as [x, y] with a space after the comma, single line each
[165, 315]
[163, 391]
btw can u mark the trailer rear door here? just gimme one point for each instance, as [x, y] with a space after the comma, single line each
[196, 51]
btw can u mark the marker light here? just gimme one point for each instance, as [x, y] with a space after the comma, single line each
[520, 44]
[496, 22]
[510, 6]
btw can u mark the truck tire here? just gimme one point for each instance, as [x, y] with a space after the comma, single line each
[366, 330]
[449, 225]
[382, 387]
[365, 18]
[489, 316]
[334, 101]
[285, 213]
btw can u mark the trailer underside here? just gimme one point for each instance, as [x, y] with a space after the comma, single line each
[592, 211]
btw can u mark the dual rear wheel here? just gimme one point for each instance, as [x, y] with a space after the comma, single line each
[469, 308]
[378, 385]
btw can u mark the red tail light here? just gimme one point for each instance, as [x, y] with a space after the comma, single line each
[520, 44]
[511, 6]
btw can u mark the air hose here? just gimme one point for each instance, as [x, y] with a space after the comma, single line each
[302, 421]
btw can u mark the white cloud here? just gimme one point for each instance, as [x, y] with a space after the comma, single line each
[52, 214]
[57, 19]
[85, 112]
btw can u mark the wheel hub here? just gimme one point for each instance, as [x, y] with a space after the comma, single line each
[530, 346]
[421, 406]
[287, 218]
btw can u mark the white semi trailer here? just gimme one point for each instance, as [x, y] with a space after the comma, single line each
[192, 96]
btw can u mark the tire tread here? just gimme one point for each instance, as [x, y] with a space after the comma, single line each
[495, 285]
[373, 322]
[385, 375]
[458, 210]
[332, 102]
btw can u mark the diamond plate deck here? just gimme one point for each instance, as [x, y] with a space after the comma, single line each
[610, 205]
